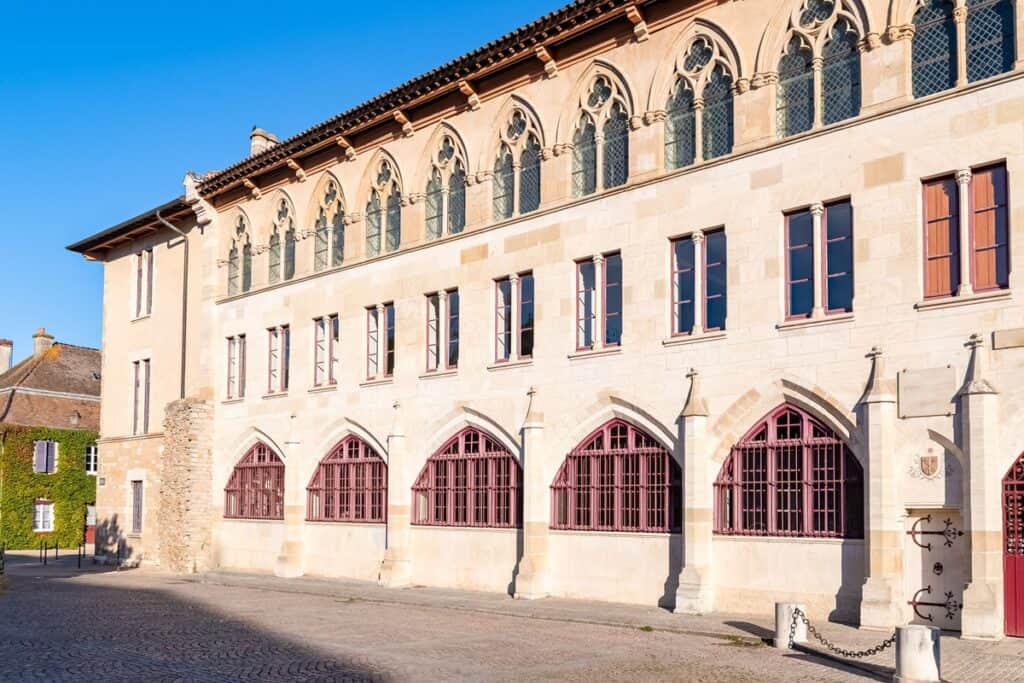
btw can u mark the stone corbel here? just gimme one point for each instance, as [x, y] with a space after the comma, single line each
[405, 201]
[404, 122]
[483, 176]
[471, 97]
[903, 32]
[251, 186]
[636, 122]
[300, 174]
[656, 116]
[260, 248]
[550, 66]
[346, 146]
[353, 218]
[415, 197]
[562, 148]
[762, 80]
[741, 86]
[639, 25]
[547, 153]
[305, 234]
[870, 42]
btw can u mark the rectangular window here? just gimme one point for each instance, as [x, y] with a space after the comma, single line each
[433, 331]
[92, 459]
[503, 320]
[512, 324]
[389, 339]
[990, 229]
[613, 299]
[143, 283]
[380, 341]
[42, 516]
[705, 253]
[140, 397]
[372, 342]
[838, 256]
[278, 357]
[236, 367]
[586, 302]
[44, 457]
[799, 264]
[526, 296]
[941, 238]
[136, 507]
[452, 328]
[325, 349]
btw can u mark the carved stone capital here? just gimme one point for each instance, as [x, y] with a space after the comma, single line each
[870, 42]
[960, 14]
[963, 176]
[636, 122]
[764, 79]
[656, 116]
[901, 32]
[817, 209]
[484, 176]
[741, 86]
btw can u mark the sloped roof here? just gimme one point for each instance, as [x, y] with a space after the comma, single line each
[63, 368]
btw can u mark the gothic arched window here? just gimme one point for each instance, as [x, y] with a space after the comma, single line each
[349, 485]
[384, 211]
[617, 479]
[282, 267]
[990, 38]
[472, 480]
[699, 111]
[819, 70]
[933, 52]
[790, 476]
[255, 489]
[329, 232]
[240, 259]
[516, 186]
[274, 258]
[446, 191]
[601, 139]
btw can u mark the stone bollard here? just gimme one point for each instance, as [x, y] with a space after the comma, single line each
[917, 654]
[783, 622]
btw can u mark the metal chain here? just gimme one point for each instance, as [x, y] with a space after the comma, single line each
[853, 654]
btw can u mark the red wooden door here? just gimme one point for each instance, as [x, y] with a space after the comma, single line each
[1013, 548]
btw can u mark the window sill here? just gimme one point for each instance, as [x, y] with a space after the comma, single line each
[42, 531]
[510, 364]
[250, 521]
[954, 301]
[438, 374]
[474, 529]
[786, 539]
[344, 522]
[140, 318]
[822, 321]
[684, 339]
[376, 382]
[595, 353]
[612, 534]
[323, 389]
[232, 401]
[275, 394]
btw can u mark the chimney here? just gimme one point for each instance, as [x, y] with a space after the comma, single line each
[41, 341]
[6, 352]
[260, 140]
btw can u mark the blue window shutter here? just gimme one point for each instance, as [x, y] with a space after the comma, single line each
[51, 457]
[39, 457]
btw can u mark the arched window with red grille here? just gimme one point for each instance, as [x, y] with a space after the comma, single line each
[349, 485]
[472, 480]
[256, 487]
[617, 479]
[790, 476]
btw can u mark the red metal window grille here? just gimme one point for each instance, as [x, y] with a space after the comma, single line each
[612, 299]
[790, 476]
[472, 481]
[256, 487]
[941, 238]
[349, 485]
[799, 264]
[838, 256]
[1013, 548]
[618, 479]
[990, 228]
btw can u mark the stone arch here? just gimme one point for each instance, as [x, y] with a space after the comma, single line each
[455, 421]
[611, 406]
[427, 155]
[367, 180]
[570, 113]
[752, 406]
[313, 205]
[232, 225]
[248, 438]
[333, 435]
[665, 76]
[512, 102]
[787, 17]
[901, 12]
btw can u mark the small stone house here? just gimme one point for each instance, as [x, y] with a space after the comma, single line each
[49, 417]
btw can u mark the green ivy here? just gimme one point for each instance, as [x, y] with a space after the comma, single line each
[70, 488]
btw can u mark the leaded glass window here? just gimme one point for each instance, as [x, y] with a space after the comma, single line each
[504, 185]
[716, 118]
[446, 190]
[840, 76]
[457, 199]
[933, 59]
[795, 96]
[990, 38]
[699, 110]
[329, 232]
[601, 138]
[529, 176]
[240, 264]
[384, 216]
[394, 226]
[274, 259]
[434, 205]
[233, 270]
[373, 223]
[680, 128]
[246, 266]
[282, 266]
[516, 187]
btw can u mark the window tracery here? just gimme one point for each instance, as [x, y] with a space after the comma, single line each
[384, 211]
[699, 111]
[240, 259]
[601, 138]
[446, 191]
[516, 187]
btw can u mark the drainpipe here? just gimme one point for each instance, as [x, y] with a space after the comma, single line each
[184, 298]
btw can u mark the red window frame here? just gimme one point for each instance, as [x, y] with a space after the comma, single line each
[453, 309]
[618, 478]
[433, 301]
[826, 274]
[705, 266]
[789, 280]
[331, 330]
[349, 485]
[373, 331]
[255, 489]
[389, 339]
[992, 209]
[284, 355]
[790, 475]
[526, 276]
[581, 319]
[471, 481]
[940, 224]
[674, 272]
[513, 328]
[606, 287]
[236, 365]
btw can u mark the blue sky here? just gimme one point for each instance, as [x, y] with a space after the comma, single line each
[105, 105]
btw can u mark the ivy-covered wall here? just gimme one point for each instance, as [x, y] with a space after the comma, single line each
[70, 488]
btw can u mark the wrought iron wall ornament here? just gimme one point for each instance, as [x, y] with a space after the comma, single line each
[950, 604]
[949, 534]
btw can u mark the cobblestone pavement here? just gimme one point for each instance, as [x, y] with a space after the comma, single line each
[59, 624]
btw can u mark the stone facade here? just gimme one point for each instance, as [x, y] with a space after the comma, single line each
[183, 516]
[696, 395]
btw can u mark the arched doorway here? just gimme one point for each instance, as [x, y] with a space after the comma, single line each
[1013, 548]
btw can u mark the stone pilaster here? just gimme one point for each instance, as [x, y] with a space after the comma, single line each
[694, 594]
[289, 559]
[883, 605]
[531, 582]
[978, 415]
[755, 113]
[396, 569]
[184, 512]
